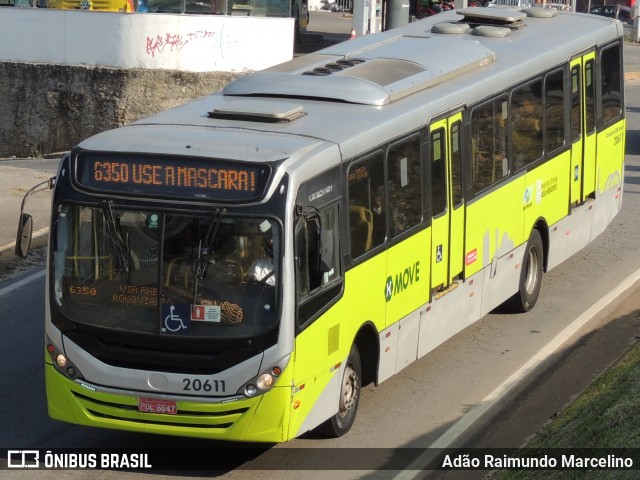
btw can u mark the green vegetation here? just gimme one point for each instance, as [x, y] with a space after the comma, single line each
[606, 415]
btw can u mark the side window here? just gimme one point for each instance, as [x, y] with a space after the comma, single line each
[438, 172]
[405, 185]
[554, 111]
[312, 274]
[367, 213]
[488, 144]
[611, 86]
[456, 164]
[576, 117]
[317, 254]
[526, 124]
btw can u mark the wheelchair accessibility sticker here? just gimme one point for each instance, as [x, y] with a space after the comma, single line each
[176, 318]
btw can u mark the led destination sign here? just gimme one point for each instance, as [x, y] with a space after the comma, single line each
[173, 177]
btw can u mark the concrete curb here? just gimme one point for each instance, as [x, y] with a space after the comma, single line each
[632, 76]
[40, 238]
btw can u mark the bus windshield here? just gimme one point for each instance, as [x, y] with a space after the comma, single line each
[157, 273]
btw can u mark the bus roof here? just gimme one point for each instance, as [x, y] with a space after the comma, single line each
[370, 89]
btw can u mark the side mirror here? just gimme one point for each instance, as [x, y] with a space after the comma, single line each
[25, 227]
[325, 260]
[25, 233]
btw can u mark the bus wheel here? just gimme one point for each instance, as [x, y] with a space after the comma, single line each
[530, 276]
[342, 421]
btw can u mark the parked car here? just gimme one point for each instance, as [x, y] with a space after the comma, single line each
[176, 6]
[511, 3]
[609, 11]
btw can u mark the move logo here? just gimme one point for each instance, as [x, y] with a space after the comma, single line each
[402, 281]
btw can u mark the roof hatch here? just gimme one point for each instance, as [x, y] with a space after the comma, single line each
[504, 17]
[267, 112]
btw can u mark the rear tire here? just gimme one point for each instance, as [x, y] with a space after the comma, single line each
[530, 276]
[350, 389]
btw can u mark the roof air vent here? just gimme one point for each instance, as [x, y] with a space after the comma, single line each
[318, 71]
[350, 62]
[332, 67]
[539, 12]
[489, 31]
[449, 28]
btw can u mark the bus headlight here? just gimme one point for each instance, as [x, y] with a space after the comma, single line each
[62, 363]
[265, 380]
[261, 384]
[250, 390]
[61, 360]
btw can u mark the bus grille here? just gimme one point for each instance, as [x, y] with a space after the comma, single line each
[156, 422]
[209, 416]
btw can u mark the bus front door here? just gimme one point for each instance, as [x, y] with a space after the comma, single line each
[445, 163]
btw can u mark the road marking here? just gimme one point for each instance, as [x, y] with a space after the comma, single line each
[22, 282]
[447, 438]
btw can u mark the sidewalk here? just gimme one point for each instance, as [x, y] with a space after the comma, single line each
[325, 29]
[631, 63]
[17, 176]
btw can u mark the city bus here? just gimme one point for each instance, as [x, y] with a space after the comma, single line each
[98, 5]
[239, 267]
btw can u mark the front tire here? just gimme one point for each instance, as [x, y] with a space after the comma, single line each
[530, 276]
[350, 389]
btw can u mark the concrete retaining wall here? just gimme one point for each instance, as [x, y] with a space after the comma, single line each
[50, 108]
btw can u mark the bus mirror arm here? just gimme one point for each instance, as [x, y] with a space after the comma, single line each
[25, 224]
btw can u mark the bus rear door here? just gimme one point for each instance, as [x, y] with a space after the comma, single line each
[446, 201]
[583, 128]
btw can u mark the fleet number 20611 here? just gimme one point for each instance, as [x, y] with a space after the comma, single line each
[197, 385]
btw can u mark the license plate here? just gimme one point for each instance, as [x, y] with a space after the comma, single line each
[154, 405]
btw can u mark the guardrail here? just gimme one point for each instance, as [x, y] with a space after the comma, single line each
[338, 5]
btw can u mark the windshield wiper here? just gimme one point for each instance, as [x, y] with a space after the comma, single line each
[205, 250]
[118, 243]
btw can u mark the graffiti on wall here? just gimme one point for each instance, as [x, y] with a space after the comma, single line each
[225, 47]
[174, 42]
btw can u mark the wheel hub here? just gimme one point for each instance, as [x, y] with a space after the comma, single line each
[349, 391]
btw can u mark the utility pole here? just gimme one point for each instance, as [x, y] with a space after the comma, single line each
[361, 16]
[636, 23]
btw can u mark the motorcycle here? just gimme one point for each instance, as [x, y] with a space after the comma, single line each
[426, 8]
